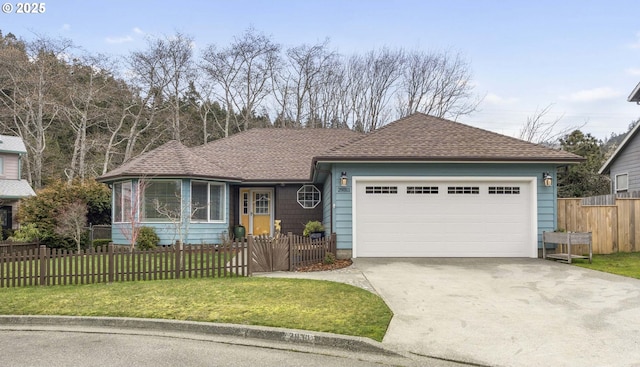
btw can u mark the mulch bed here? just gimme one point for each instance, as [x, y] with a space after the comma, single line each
[338, 264]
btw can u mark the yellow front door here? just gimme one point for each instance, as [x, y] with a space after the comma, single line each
[256, 209]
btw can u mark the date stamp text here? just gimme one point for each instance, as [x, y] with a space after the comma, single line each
[24, 8]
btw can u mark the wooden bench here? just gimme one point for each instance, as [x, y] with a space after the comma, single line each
[569, 239]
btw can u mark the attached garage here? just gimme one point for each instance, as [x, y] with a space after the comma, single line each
[424, 186]
[444, 217]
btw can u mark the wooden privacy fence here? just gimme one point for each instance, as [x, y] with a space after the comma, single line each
[44, 266]
[290, 252]
[615, 228]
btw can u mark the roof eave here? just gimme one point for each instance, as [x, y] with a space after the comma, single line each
[124, 176]
[607, 165]
[635, 95]
[448, 160]
[276, 181]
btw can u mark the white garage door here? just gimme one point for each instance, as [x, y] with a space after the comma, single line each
[446, 218]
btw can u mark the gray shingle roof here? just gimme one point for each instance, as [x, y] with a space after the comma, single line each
[171, 159]
[274, 154]
[287, 155]
[269, 155]
[15, 189]
[421, 137]
[12, 144]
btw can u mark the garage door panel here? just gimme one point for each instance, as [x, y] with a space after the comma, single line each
[476, 219]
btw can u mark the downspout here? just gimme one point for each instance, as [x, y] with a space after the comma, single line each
[330, 191]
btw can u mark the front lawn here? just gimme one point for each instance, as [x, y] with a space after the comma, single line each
[626, 264]
[289, 303]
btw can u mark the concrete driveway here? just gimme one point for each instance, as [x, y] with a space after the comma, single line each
[508, 312]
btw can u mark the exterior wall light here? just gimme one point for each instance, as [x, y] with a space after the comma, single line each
[344, 181]
[547, 179]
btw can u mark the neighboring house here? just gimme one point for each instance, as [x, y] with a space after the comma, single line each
[623, 167]
[420, 186]
[12, 187]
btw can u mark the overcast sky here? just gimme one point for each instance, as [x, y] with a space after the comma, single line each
[581, 56]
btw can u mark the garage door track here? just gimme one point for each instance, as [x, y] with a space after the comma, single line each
[508, 312]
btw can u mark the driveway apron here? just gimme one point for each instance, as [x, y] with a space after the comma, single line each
[508, 312]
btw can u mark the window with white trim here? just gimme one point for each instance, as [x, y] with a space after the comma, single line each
[308, 196]
[207, 201]
[162, 201]
[622, 182]
[122, 202]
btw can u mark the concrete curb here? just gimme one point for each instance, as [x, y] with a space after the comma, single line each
[285, 336]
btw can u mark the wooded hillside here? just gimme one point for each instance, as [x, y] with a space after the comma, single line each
[81, 114]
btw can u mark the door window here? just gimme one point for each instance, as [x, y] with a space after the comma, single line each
[261, 203]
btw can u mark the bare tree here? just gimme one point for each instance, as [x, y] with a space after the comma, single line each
[91, 86]
[372, 82]
[223, 69]
[29, 77]
[308, 69]
[436, 84]
[72, 221]
[177, 66]
[538, 129]
[257, 55]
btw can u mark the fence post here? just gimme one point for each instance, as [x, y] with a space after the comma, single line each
[333, 247]
[44, 261]
[249, 260]
[291, 248]
[111, 249]
[178, 255]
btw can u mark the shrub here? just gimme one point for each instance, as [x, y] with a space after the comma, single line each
[26, 233]
[329, 258]
[100, 242]
[6, 233]
[45, 208]
[147, 238]
[312, 226]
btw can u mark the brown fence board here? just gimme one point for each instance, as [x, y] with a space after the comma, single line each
[615, 228]
[115, 263]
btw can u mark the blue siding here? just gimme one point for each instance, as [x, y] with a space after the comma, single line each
[327, 202]
[547, 205]
[192, 233]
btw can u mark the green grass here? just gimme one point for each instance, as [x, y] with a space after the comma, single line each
[626, 264]
[289, 303]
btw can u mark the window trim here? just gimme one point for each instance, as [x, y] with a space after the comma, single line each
[223, 202]
[314, 190]
[617, 189]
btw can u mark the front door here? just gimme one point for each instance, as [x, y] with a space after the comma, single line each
[256, 210]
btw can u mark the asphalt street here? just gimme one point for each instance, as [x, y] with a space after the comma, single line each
[55, 348]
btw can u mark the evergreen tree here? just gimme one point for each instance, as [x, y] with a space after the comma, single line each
[582, 179]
